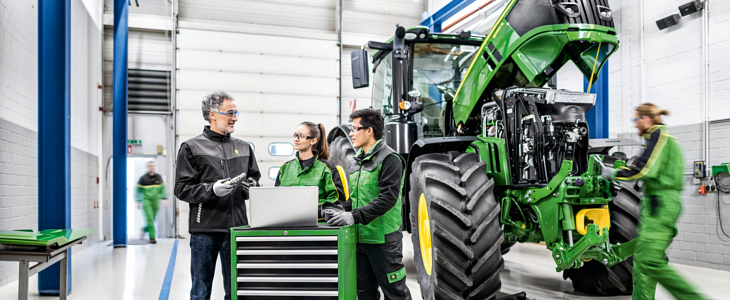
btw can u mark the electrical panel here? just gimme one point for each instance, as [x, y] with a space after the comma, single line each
[699, 169]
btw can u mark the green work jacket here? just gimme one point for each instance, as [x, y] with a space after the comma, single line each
[150, 187]
[320, 173]
[366, 187]
[661, 165]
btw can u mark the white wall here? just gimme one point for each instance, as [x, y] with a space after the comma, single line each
[19, 118]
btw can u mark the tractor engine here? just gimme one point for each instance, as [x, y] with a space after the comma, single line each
[541, 127]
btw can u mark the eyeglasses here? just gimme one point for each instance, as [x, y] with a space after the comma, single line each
[229, 113]
[298, 136]
[635, 119]
[355, 128]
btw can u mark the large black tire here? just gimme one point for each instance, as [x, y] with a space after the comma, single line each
[342, 153]
[594, 278]
[462, 225]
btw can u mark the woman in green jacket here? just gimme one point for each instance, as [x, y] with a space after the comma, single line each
[660, 167]
[311, 168]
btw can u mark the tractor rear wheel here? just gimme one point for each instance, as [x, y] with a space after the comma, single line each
[594, 278]
[342, 153]
[456, 231]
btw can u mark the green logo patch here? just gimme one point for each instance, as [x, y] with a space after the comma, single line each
[236, 151]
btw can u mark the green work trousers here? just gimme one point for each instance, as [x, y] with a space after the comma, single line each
[150, 206]
[659, 214]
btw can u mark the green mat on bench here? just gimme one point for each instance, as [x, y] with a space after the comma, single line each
[46, 237]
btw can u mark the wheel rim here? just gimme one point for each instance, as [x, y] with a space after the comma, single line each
[424, 234]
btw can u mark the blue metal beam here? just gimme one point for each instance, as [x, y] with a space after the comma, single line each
[119, 146]
[54, 129]
[597, 117]
[434, 21]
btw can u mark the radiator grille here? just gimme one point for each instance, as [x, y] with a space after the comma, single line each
[149, 90]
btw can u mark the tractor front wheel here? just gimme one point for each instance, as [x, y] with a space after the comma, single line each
[456, 231]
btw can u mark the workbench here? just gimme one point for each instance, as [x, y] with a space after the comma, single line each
[46, 248]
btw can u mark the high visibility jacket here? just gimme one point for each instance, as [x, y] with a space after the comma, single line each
[376, 186]
[319, 173]
[150, 187]
[661, 165]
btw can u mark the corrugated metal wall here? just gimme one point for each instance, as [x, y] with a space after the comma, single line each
[309, 14]
[146, 7]
[277, 82]
[364, 20]
[149, 50]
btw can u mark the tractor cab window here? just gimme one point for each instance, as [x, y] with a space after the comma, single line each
[382, 81]
[437, 73]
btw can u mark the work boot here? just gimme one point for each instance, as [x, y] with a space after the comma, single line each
[153, 241]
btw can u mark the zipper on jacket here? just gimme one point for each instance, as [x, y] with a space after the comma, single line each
[229, 176]
[357, 184]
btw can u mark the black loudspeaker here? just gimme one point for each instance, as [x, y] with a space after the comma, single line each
[668, 21]
[690, 8]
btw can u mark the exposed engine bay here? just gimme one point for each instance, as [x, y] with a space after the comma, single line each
[541, 127]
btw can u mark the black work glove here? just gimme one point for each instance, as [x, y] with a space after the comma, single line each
[246, 185]
[653, 205]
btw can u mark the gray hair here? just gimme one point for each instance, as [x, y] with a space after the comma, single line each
[213, 102]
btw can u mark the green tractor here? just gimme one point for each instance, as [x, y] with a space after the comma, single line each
[495, 158]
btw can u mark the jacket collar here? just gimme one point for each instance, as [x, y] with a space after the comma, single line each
[362, 156]
[214, 136]
[299, 160]
[648, 132]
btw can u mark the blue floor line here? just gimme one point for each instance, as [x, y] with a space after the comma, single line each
[165, 292]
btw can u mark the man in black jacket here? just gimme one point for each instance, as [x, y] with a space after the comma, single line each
[205, 166]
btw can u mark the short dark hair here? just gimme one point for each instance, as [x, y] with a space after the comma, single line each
[370, 117]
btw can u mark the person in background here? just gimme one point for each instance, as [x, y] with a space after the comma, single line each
[660, 167]
[150, 189]
[311, 168]
[376, 183]
[205, 164]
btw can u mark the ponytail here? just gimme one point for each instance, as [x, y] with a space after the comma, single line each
[322, 148]
[652, 111]
[317, 131]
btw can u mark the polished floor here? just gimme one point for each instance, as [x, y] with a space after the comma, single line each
[138, 272]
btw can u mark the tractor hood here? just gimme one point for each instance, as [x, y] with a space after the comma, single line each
[531, 41]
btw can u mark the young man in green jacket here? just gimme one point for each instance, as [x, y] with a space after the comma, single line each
[150, 189]
[660, 167]
[376, 182]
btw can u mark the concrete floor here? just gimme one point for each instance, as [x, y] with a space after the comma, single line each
[137, 272]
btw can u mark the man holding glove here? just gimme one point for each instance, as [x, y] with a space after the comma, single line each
[206, 167]
[375, 206]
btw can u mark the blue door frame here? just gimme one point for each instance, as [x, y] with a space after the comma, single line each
[119, 145]
[597, 117]
[54, 129]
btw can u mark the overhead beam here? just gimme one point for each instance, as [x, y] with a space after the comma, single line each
[434, 21]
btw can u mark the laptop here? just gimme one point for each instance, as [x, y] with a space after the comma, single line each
[287, 206]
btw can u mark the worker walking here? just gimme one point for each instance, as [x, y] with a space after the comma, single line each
[376, 181]
[661, 168]
[311, 168]
[205, 166]
[150, 189]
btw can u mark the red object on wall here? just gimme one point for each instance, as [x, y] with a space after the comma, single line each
[129, 149]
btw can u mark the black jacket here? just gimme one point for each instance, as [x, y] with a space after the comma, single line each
[201, 162]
